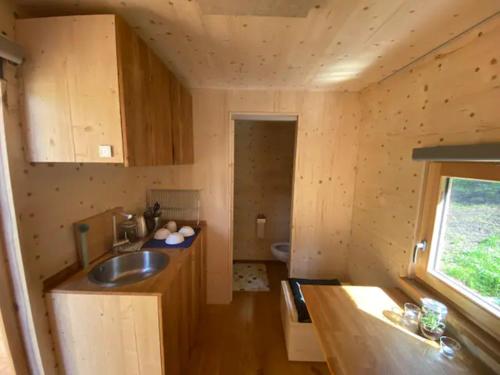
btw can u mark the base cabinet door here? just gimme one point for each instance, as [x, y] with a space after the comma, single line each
[176, 318]
[181, 310]
[196, 293]
[171, 314]
[115, 333]
[107, 333]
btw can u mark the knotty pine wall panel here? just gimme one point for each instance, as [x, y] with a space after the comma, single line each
[450, 97]
[324, 184]
[50, 197]
[323, 178]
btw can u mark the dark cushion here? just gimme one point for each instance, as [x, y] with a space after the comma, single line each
[300, 304]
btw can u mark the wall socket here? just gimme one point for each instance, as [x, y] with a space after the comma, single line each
[105, 151]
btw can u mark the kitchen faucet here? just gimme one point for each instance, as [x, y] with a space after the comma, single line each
[116, 242]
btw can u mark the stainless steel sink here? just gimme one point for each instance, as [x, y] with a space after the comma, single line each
[128, 268]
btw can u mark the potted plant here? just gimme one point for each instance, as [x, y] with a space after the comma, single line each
[432, 321]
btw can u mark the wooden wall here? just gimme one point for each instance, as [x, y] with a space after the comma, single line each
[50, 197]
[450, 97]
[324, 176]
[327, 146]
[323, 179]
[263, 173]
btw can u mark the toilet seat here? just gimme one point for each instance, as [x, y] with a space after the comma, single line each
[281, 251]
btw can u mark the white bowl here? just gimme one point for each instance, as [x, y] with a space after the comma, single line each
[174, 239]
[186, 231]
[161, 234]
[171, 226]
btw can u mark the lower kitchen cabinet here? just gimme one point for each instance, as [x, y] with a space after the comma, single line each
[145, 328]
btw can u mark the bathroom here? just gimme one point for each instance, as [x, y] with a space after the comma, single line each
[264, 153]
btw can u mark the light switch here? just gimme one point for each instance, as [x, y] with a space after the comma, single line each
[105, 151]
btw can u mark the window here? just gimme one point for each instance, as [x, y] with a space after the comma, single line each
[460, 223]
[467, 251]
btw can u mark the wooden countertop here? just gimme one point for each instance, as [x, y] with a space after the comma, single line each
[359, 334]
[157, 284]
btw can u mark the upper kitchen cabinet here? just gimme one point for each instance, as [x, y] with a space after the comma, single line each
[182, 124]
[94, 92]
[146, 101]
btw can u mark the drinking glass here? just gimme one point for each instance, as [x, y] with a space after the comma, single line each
[449, 347]
[411, 316]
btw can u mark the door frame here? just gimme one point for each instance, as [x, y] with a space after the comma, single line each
[257, 116]
[15, 303]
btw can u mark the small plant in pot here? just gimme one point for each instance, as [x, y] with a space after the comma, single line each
[432, 321]
[431, 326]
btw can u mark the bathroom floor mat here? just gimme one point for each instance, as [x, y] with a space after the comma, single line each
[250, 277]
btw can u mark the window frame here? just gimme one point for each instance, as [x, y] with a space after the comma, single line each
[429, 230]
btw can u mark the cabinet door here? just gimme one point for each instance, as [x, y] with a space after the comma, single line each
[196, 292]
[171, 311]
[93, 88]
[202, 246]
[145, 101]
[175, 310]
[70, 96]
[112, 334]
[133, 70]
[160, 111]
[182, 123]
[185, 321]
[47, 117]
[186, 154]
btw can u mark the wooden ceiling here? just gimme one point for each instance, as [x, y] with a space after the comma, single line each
[321, 44]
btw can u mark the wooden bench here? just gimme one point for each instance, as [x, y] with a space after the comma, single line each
[302, 343]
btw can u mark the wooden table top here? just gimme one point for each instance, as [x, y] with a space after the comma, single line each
[359, 333]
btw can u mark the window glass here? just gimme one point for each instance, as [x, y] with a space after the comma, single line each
[468, 247]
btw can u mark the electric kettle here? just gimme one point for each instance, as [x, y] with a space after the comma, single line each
[142, 230]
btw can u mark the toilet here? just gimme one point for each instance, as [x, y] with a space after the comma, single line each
[281, 251]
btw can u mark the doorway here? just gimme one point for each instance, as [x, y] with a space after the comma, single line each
[262, 191]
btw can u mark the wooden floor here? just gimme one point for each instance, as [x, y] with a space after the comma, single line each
[246, 337]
